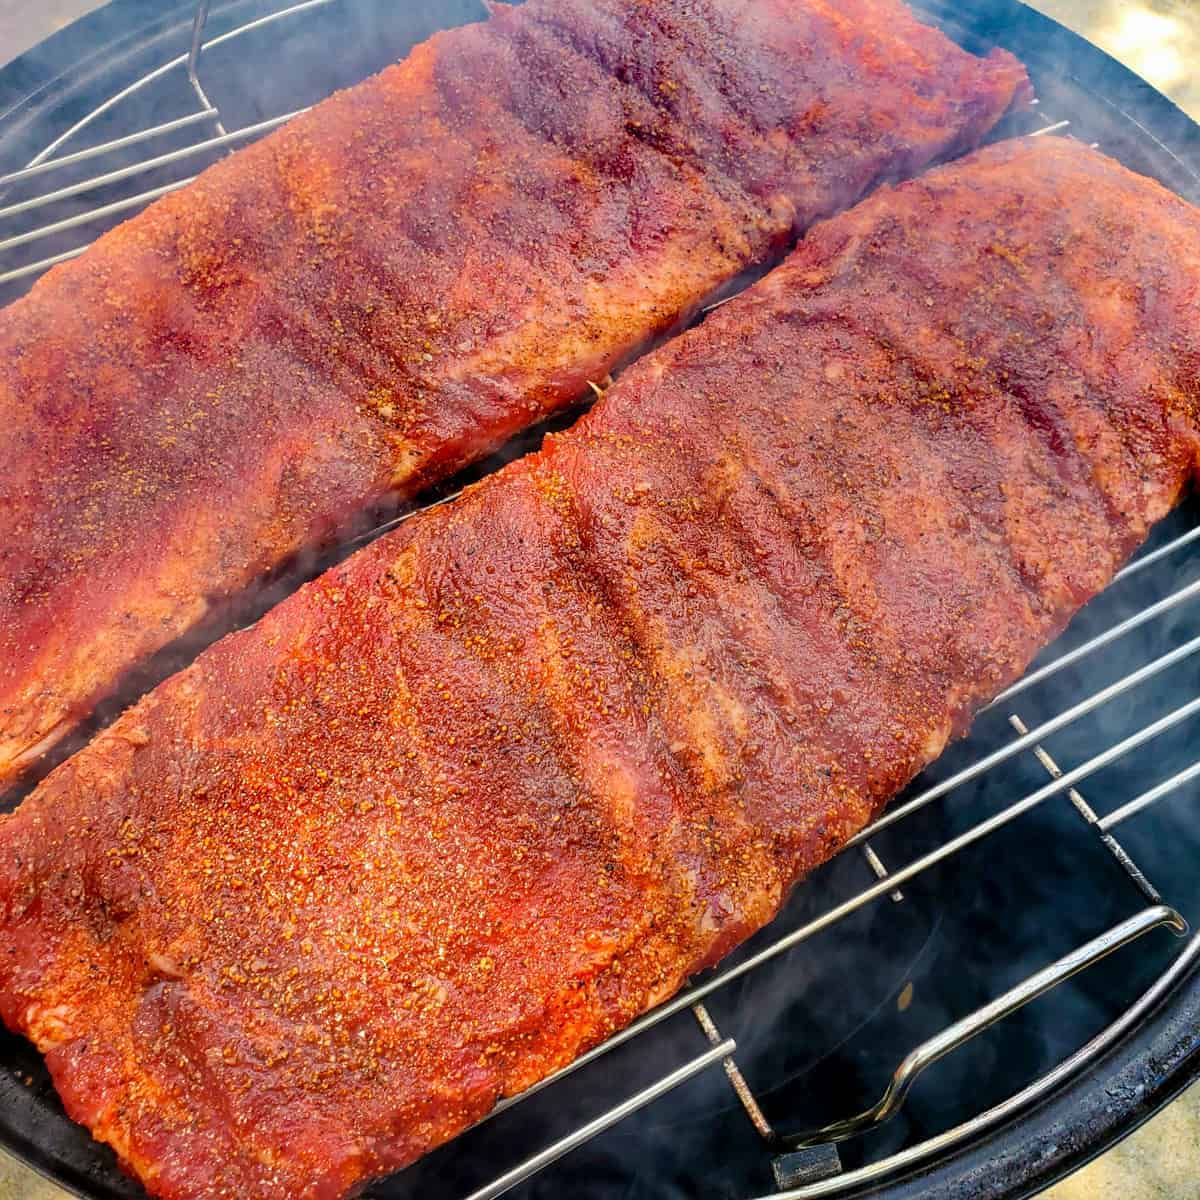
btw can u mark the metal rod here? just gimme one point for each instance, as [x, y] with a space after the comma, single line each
[1071, 1065]
[1147, 560]
[876, 865]
[1052, 769]
[42, 264]
[943, 852]
[1044, 730]
[395, 522]
[198, 22]
[260, 22]
[733, 1073]
[606, 1120]
[1149, 797]
[160, 160]
[1085, 810]
[93, 214]
[1054, 128]
[193, 60]
[1101, 640]
[104, 148]
[969, 1027]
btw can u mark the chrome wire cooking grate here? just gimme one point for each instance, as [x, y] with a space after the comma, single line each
[53, 197]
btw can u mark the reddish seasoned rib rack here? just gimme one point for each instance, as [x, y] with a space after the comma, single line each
[503, 780]
[393, 284]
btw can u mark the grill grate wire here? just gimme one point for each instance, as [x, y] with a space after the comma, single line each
[814, 1171]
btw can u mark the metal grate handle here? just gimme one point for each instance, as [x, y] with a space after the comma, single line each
[975, 1023]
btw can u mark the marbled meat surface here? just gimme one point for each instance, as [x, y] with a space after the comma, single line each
[393, 284]
[500, 782]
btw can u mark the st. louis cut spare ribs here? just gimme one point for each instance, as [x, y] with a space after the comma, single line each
[394, 283]
[503, 780]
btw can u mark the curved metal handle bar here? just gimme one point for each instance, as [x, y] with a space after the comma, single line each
[198, 23]
[1183, 967]
[193, 60]
[975, 1023]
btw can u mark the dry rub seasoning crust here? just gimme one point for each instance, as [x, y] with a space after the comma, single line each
[393, 284]
[481, 795]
